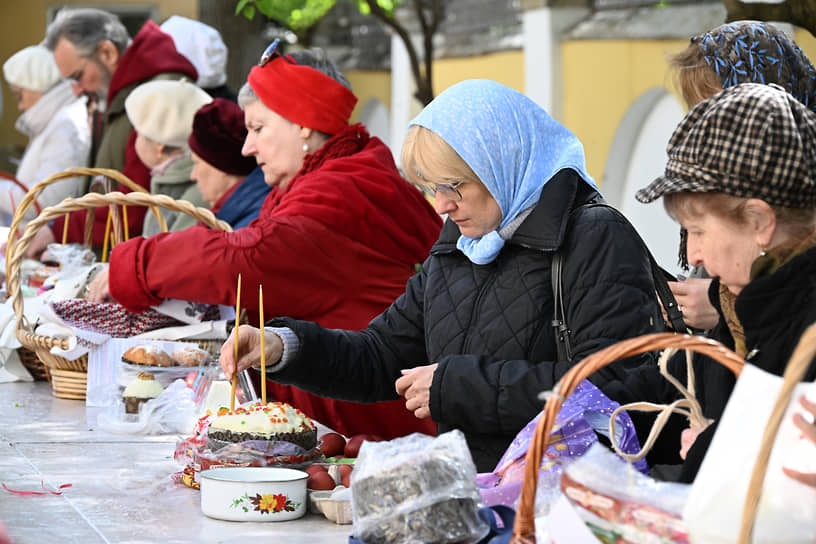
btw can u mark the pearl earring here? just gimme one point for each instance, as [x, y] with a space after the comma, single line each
[305, 147]
[762, 252]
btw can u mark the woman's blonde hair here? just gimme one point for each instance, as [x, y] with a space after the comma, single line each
[695, 79]
[795, 222]
[425, 154]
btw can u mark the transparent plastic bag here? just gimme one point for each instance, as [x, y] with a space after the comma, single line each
[415, 489]
[173, 411]
[621, 505]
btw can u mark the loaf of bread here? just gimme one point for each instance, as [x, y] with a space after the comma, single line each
[147, 355]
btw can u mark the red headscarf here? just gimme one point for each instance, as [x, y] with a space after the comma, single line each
[303, 95]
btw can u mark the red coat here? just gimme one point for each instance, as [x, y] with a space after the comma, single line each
[335, 247]
[151, 54]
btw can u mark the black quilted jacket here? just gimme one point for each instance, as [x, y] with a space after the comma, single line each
[488, 326]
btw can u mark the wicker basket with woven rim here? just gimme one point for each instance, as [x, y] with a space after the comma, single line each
[28, 357]
[40, 344]
[524, 528]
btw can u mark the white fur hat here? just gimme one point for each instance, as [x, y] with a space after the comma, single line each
[163, 110]
[203, 47]
[32, 68]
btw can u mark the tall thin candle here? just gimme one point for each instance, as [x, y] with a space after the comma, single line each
[125, 221]
[237, 324]
[65, 229]
[263, 346]
[107, 238]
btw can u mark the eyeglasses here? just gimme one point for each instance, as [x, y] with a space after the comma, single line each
[271, 52]
[76, 76]
[448, 190]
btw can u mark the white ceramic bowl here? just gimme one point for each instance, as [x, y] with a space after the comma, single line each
[253, 493]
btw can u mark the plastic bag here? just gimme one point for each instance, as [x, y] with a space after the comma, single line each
[174, 411]
[787, 508]
[584, 413]
[415, 489]
[622, 506]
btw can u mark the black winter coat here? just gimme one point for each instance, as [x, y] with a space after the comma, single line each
[774, 311]
[488, 327]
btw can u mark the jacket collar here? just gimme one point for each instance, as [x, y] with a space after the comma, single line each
[544, 228]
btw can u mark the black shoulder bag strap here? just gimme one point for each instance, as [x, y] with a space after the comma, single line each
[659, 275]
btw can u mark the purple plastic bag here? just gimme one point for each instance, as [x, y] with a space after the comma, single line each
[586, 411]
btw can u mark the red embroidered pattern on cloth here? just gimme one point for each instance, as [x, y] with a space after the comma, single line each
[110, 318]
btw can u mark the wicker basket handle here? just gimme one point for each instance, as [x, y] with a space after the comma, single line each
[8, 177]
[92, 200]
[524, 528]
[34, 193]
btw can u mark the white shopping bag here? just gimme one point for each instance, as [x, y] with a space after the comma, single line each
[787, 508]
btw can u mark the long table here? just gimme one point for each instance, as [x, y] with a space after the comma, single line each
[121, 489]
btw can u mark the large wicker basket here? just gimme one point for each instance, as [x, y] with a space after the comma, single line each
[524, 528]
[71, 373]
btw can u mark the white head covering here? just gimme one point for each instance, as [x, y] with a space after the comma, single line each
[32, 68]
[164, 110]
[203, 47]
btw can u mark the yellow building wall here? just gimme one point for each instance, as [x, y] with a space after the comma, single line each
[368, 84]
[23, 23]
[506, 67]
[602, 79]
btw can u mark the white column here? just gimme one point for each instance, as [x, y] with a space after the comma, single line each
[402, 89]
[543, 31]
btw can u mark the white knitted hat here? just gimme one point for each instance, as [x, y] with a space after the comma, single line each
[203, 47]
[163, 110]
[32, 68]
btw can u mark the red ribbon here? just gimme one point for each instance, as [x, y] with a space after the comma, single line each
[47, 491]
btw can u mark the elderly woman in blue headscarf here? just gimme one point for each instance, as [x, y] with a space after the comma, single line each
[470, 343]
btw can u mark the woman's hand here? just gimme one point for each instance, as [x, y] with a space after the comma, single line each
[99, 288]
[692, 298]
[249, 350]
[808, 431]
[689, 436]
[40, 243]
[415, 386]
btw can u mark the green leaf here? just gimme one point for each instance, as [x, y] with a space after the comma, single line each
[249, 12]
[240, 6]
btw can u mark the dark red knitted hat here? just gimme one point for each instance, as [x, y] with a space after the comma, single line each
[218, 136]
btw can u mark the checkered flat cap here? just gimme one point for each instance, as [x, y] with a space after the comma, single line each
[750, 141]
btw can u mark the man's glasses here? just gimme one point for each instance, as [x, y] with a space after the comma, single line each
[271, 52]
[448, 190]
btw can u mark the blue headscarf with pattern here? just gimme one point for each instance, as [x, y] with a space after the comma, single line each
[509, 141]
[757, 52]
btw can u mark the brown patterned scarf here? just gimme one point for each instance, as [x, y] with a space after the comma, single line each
[764, 265]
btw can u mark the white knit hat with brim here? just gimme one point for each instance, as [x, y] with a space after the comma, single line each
[32, 68]
[163, 111]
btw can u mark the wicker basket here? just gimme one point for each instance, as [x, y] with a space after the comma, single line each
[33, 364]
[67, 386]
[524, 528]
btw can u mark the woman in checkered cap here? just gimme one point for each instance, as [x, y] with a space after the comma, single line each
[740, 179]
[733, 53]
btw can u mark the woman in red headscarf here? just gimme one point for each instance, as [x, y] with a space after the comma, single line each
[335, 243]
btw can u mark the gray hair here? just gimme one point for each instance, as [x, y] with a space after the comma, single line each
[316, 58]
[86, 28]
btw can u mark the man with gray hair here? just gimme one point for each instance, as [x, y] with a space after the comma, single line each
[93, 50]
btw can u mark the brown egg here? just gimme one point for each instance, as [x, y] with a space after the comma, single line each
[320, 480]
[332, 444]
